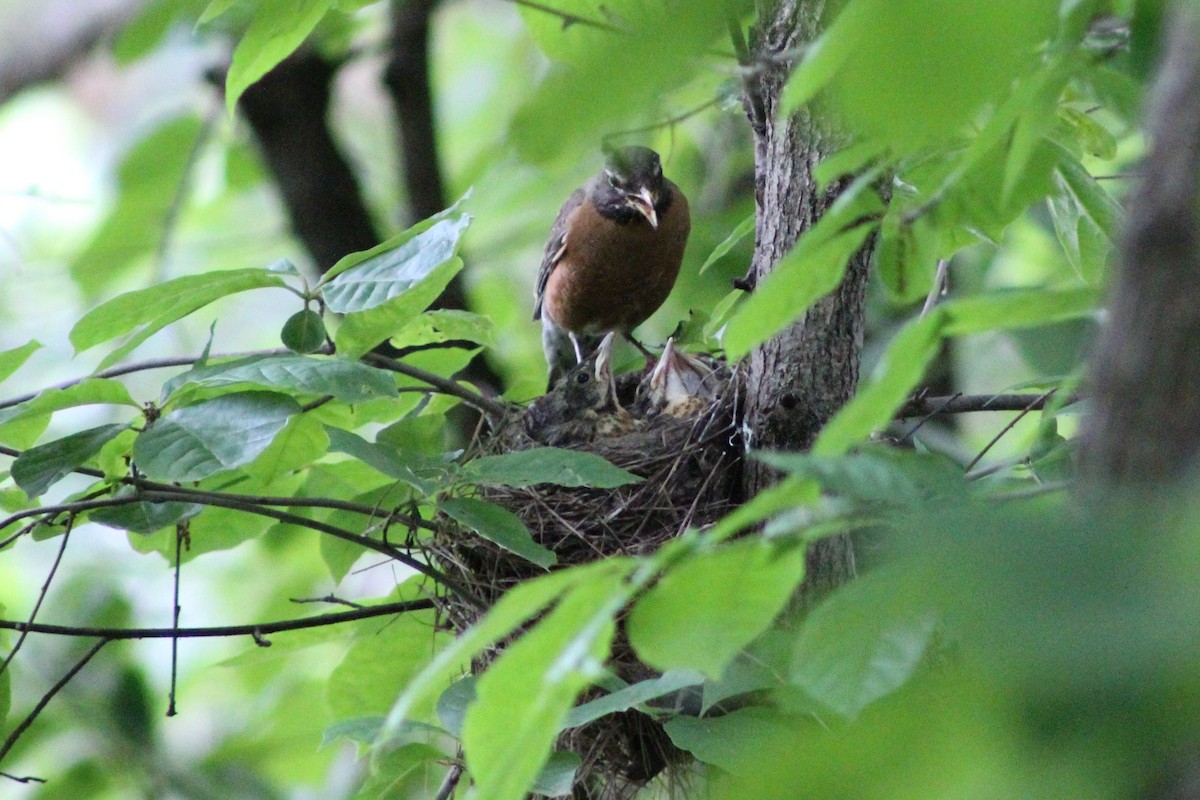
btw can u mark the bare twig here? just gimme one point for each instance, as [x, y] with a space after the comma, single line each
[62, 548]
[450, 783]
[1037, 402]
[670, 122]
[329, 598]
[180, 535]
[568, 19]
[224, 631]
[487, 405]
[21, 778]
[47, 697]
[965, 404]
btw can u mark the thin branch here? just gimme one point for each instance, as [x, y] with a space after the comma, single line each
[21, 778]
[487, 405]
[180, 535]
[965, 404]
[62, 548]
[670, 122]
[450, 783]
[64, 508]
[140, 366]
[47, 697]
[568, 18]
[340, 533]
[329, 598]
[1037, 402]
[224, 631]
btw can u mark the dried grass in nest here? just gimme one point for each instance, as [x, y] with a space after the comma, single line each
[691, 471]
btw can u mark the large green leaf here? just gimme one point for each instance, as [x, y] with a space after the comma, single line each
[194, 442]
[705, 610]
[38, 468]
[277, 29]
[744, 228]
[92, 391]
[631, 696]
[862, 643]
[812, 269]
[149, 178]
[362, 330]
[11, 360]
[890, 88]
[349, 381]
[394, 267]
[145, 312]
[724, 741]
[445, 325]
[380, 662]
[145, 518]
[624, 63]
[551, 465]
[898, 371]
[498, 525]
[1018, 308]
[523, 697]
[510, 611]
[388, 460]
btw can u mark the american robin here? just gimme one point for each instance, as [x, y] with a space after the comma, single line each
[612, 257]
[679, 385]
[581, 406]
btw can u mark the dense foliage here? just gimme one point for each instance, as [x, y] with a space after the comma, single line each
[1000, 642]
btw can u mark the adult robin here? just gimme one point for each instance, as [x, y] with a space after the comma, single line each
[679, 385]
[612, 257]
[583, 405]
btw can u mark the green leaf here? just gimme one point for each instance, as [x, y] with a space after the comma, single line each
[215, 9]
[1018, 308]
[37, 469]
[197, 441]
[744, 228]
[91, 391]
[510, 611]
[541, 674]
[446, 325]
[11, 360]
[149, 176]
[348, 381]
[383, 658]
[277, 29]
[453, 703]
[362, 330]
[392, 268]
[783, 495]
[145, 312]
[304, 332]
[557, 776]
[726, 741]
[898, 371]
[633, 695]
[702, 612]
[812, 269]
[862, 643]
[385, 459]
[499, 526]
[144, 518]
[551, 465]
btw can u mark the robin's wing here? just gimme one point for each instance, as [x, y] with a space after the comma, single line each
[556, 245]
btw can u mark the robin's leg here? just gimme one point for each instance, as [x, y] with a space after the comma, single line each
[646, 351]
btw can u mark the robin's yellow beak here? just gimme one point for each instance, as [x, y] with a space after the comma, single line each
[643, 200]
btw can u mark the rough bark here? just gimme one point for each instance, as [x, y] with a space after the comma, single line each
[800, 378]
[1144, 429]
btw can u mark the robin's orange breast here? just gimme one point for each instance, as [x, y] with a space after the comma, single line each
[614, 275]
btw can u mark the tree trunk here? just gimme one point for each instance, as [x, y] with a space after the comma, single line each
[800, 378]
[1144, 429]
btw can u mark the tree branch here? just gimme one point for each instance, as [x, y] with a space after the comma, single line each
[224, 631]
[966, 404]
[494, 408]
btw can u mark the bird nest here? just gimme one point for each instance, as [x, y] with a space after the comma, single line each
[691, 473]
